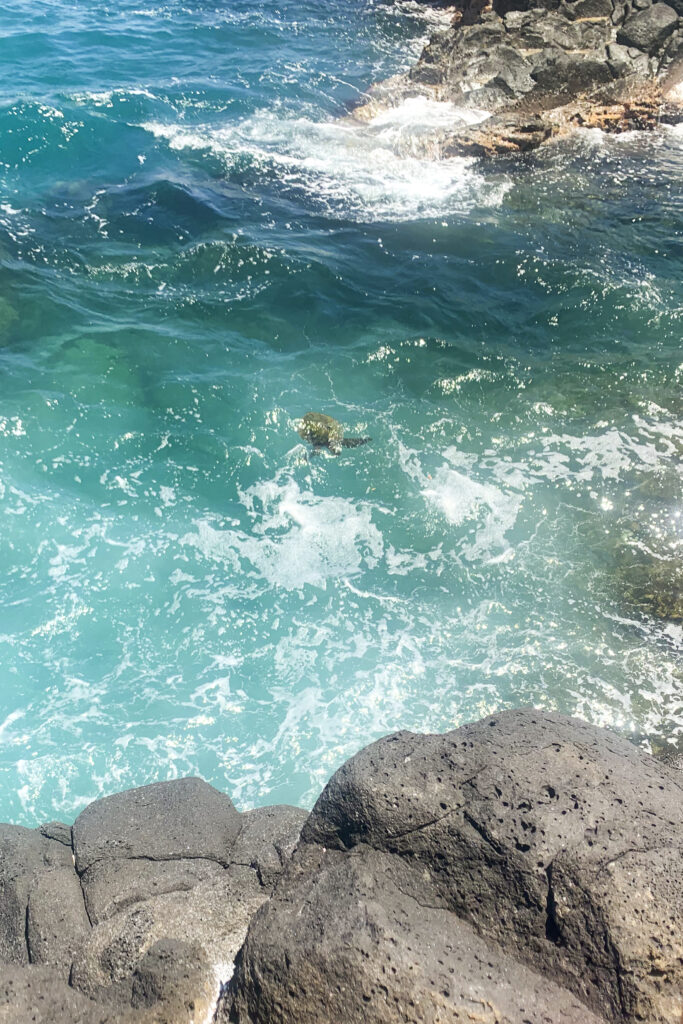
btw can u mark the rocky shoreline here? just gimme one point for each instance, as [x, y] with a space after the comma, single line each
[534, 70]
[525, 868]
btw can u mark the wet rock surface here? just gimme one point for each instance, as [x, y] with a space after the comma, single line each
[559, 846]
[528, 60]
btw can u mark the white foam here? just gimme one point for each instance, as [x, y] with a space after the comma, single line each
[297, 538]
[9, 720]
[222, 973]
[106, 97]
[364, 171]
[459, 497]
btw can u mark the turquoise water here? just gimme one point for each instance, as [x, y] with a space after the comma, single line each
[195, 250]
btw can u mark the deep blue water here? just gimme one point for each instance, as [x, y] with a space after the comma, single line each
[195, 249]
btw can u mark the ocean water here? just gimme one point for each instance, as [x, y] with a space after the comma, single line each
[196, 248]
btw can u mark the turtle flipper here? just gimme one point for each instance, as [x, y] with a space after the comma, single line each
[354, 442]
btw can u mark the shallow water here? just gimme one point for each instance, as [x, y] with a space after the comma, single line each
[196, 249]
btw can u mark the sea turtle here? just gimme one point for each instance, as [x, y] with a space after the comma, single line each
[325, 432]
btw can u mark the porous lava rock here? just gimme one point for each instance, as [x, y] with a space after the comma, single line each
[38, 995]
[135, 914]
[181, 819]
[27, 859]
[528, 867]
[213, 915]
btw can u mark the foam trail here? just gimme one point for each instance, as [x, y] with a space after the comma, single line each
[366, 171]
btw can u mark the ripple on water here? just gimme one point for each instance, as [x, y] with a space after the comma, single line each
[188, 263]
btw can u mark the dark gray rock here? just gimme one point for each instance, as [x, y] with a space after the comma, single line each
[559, 844]
[619, 59]
[672, 55]
[174, 979]
[213, 916]
[354, 938]
[540, 832]
[181, 819]
[38, 995]
[56, 922]
[649, 29]
[534, 58]
[24, 855]
[111, 886]
[267, 840]
[587, 9]
[58, 831]
[564, 75]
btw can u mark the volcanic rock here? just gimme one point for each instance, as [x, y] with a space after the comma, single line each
[526, 61]
[647, 30]
[184, 818]
[559, 845]
[25, 857]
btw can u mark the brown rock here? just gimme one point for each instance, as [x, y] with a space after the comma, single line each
[500, 135]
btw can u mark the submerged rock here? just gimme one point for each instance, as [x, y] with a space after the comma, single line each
[8, 317]
[652, 585]
[647, 568]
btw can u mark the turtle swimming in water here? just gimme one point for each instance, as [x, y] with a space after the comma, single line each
[325, 432]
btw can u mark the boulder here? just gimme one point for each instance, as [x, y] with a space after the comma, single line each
[500, 135]
[563, 75]
[111, 886]
[213, 916]
[56, 921]
[526, 59]
[647, 30]
[58, 831]
[181, 819]
[356, 939]
[39, 995]
[24, 856]
[174, 984]
[170, 876]
[265, 841]
[558, 844]
[574, 9]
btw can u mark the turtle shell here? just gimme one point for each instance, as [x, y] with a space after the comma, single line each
[321, 430]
